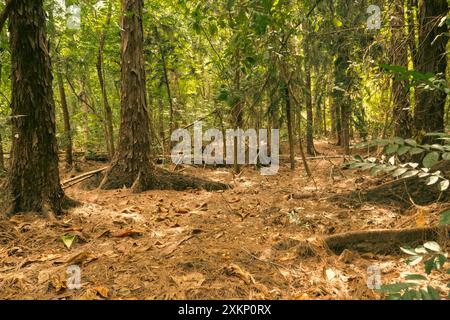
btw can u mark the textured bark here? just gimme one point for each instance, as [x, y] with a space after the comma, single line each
[431, 57]
[287, 100]
[399, 54]
[34, 179]
[66, 116]
[132, 165]
[109, 130]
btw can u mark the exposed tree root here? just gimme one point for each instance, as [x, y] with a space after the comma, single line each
[401, 192]
[152, 178]
[384, 240]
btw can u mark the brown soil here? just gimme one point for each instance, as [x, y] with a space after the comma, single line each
[262, 239]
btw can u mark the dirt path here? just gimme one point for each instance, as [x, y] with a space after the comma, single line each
[237, 244]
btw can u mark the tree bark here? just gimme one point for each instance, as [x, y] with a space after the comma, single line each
[109, 129]
[399, 57]
[34, 178]
[431, 57]
[2, 158]
[309, 105]
[342, 100]
[66, 116]
[287, 100]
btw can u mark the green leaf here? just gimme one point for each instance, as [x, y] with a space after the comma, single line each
[396, 287]
[433, 246]
[430, 265]
[431, 159]
[411, 173]
[425, 294]
[402, 150]
[412, 261]
[433, 293]
[399, 172]
[415, 151]
[392, 148]
[408, 251]
[68, 240]
[446, 156]
[411, 142]
[445, 218]
[337, 22]
[444, 184]
[416, 277]
[432, 180]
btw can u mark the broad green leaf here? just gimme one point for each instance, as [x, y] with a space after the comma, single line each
[392, 148]
[437, 147]
[415, 151]
[445, 218]
[402, 150]
[396, 287]
[431, 159]
[399, 141]
[416, 277]
[411, 142]
[433, 246]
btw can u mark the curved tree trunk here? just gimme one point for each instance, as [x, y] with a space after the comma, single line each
[34, 179]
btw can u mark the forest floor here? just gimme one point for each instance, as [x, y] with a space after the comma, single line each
[241, 243]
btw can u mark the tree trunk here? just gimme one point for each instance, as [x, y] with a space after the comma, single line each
[131, 166]
[309, 107]
[431, 57]
[109, 129]
[236, 112]
[342, 100]
[66, 116]
[399, 56]
[2, 159]
[34, 178]
[287, 100]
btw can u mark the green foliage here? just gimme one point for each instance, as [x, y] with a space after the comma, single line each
[418, 287]
[397, 149]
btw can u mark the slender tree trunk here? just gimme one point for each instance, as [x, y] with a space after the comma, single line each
[66, 116]
[342, 100]
[2, 158]
[161, 117]
[399, 56]
[309, 105]
[85, 112]
[236, 112]
[431, 57]
[34, 178]
[109, 129]
[287, 100]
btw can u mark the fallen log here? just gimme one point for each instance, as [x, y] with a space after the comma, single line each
[385, 240]
[75, 180]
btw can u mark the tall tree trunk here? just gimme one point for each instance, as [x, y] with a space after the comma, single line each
[287, 100]
[66, 116]
[342, 100]
[2, 158]
[85, 112]
[399, 56]
[309, 105]
[109, 129]
[431, 57]
[34, 178]
[236, 112]
[131, 165]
